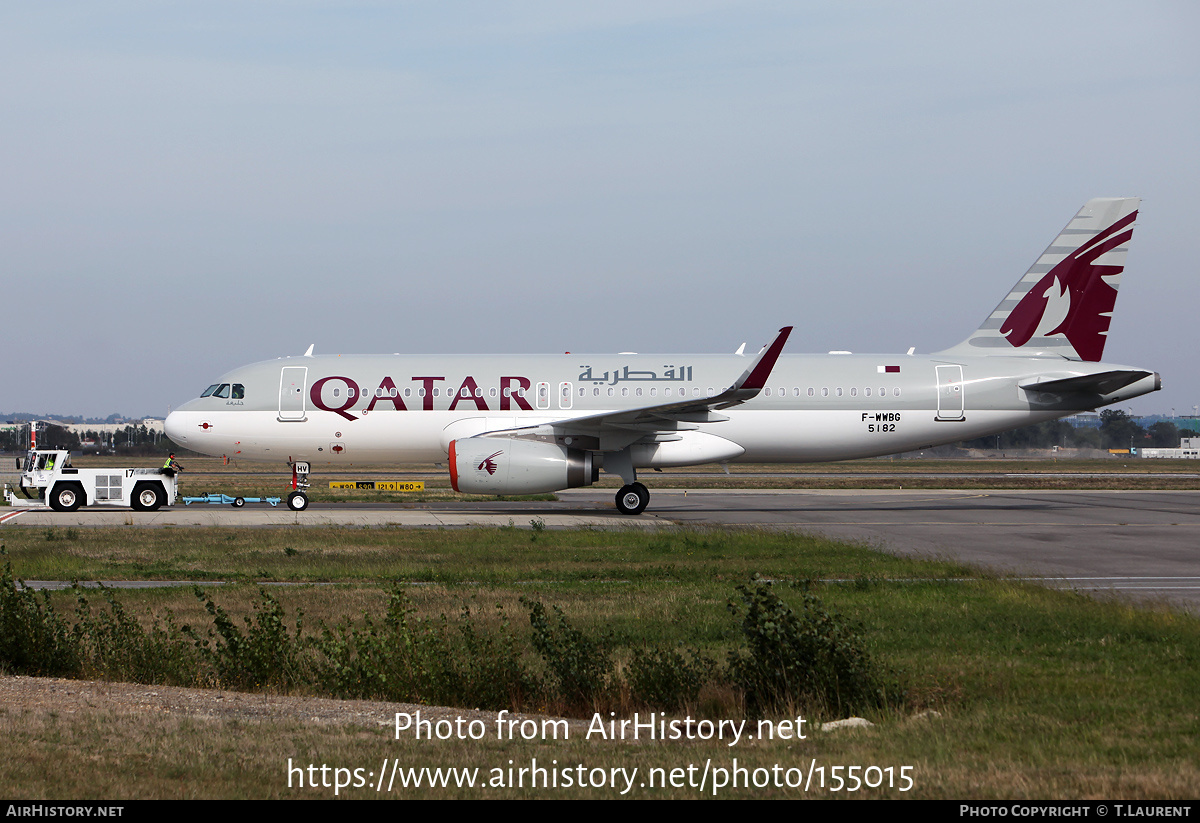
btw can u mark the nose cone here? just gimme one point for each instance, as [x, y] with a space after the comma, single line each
[174, 428]
[177, 425]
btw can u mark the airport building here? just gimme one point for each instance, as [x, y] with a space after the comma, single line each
[1189, 448]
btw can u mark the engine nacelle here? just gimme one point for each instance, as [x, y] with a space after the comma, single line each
[506, 465]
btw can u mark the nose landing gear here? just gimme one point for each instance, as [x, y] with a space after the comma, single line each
[297, 501]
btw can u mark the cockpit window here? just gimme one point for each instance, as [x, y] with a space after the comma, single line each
[223, 390]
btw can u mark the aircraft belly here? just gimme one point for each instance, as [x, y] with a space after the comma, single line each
[817, 436]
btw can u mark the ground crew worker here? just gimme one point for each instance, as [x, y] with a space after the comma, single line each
[171, 465]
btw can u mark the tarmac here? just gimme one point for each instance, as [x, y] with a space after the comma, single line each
[1140, 544]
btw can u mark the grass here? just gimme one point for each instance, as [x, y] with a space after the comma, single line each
[490, 556]
[1041, 693]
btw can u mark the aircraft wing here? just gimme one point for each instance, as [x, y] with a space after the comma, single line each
[617, 429]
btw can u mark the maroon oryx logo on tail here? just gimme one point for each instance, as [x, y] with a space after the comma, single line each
[1073, 299]
[489, 463]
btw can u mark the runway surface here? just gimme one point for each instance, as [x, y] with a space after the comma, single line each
[1142, 544]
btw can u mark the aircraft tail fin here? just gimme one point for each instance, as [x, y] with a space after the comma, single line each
[1064, 303]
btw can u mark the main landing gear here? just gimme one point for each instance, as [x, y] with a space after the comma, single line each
[633, 499]
[633, 496]
[297, 501]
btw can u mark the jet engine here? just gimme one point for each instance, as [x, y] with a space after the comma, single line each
[507, 465]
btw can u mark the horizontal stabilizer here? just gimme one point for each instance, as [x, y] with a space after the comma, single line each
[1103, 383]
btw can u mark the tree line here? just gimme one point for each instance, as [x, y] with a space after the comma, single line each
[1117, 430]
[131, 440]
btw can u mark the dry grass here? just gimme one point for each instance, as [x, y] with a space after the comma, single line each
[134, 742]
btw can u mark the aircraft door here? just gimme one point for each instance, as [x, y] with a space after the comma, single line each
[950, 393]
[292, 383]
[543, 395]
[565, 395]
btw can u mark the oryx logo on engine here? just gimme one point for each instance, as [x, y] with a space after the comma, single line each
[489, 463]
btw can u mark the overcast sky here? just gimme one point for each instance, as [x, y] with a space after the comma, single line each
[188, 187]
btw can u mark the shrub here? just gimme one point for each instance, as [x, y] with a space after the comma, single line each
[579, 666]
[33, 638]
[667, 679]
[114, 645]
[266, 655]
[422, 660]
[815, 656]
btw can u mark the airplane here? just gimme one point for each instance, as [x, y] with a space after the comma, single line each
[527, 424]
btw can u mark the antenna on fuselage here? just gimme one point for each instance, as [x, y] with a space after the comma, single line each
[310, 350]
[741, 350]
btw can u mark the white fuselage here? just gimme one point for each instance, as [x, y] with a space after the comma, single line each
[373, 409]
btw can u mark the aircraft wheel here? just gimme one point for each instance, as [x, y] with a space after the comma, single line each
[238, 502]
[297, 501]
[147, 497]
[633, 499]
[67, 497]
